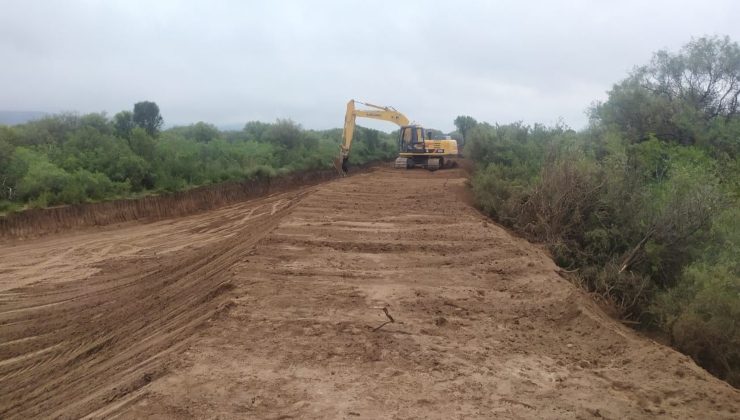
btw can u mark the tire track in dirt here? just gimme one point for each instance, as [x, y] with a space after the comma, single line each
[69, 347]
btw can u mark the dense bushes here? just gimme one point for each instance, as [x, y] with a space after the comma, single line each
[642, 206]
[651, 227]
[68, 159]
[702, 311]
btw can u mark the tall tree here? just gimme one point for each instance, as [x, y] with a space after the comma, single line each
[285, 133]
[254, 130]
[203, 132]
[123, 123]
[6, 154]
[464, 124]
[677, 96]
[146, 116]
[705, 74]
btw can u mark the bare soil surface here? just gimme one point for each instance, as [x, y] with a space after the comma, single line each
[272, 308]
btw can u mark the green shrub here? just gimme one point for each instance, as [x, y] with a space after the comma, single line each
[701, 312]
[261, 172]
[701, 315]
[42, 181]
[498, 192]
[7, 206]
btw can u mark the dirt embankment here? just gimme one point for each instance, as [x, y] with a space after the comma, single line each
[38, 222]
[271, 308]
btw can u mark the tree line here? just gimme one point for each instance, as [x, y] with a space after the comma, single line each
[70, 158]
[642, 208]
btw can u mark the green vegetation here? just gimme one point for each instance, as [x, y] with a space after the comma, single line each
[69, 159]
[464, 123]
[644, 205]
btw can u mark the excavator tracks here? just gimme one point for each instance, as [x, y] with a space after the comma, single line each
[401, 163]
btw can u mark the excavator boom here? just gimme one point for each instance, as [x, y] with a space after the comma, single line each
[384, 113]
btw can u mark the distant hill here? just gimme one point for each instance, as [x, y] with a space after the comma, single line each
[19, 117]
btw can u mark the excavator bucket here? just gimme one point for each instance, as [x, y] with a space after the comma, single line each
[338, 165]
[341, 165]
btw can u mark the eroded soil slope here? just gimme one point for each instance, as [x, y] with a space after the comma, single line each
[271, 309]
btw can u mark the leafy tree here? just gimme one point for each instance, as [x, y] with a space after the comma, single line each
[701, 312]
[142, 144]
[50, 130]
[285, 133]
[123, 124]
[204, 132]
[254, 130]
[201, 132]
[373, 140]
[677, 95]
[41, 180]
[7, 183]
[464, 124]
[704, 74]
[6, 151]
[146, 115]
[98, 121]
[369, 137]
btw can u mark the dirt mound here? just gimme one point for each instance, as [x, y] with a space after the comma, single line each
[271, 309]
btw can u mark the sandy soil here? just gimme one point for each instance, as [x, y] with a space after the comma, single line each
[271, 309]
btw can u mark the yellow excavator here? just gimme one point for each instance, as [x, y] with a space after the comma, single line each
[415, 144]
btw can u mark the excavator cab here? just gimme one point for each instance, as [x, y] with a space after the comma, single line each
[411, 139]
[417, 148]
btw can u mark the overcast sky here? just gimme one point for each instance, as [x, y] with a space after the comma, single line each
[229, 62]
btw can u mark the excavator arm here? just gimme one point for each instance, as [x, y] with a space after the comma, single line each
[377, 112]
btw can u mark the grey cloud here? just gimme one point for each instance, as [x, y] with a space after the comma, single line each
[228, 62]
